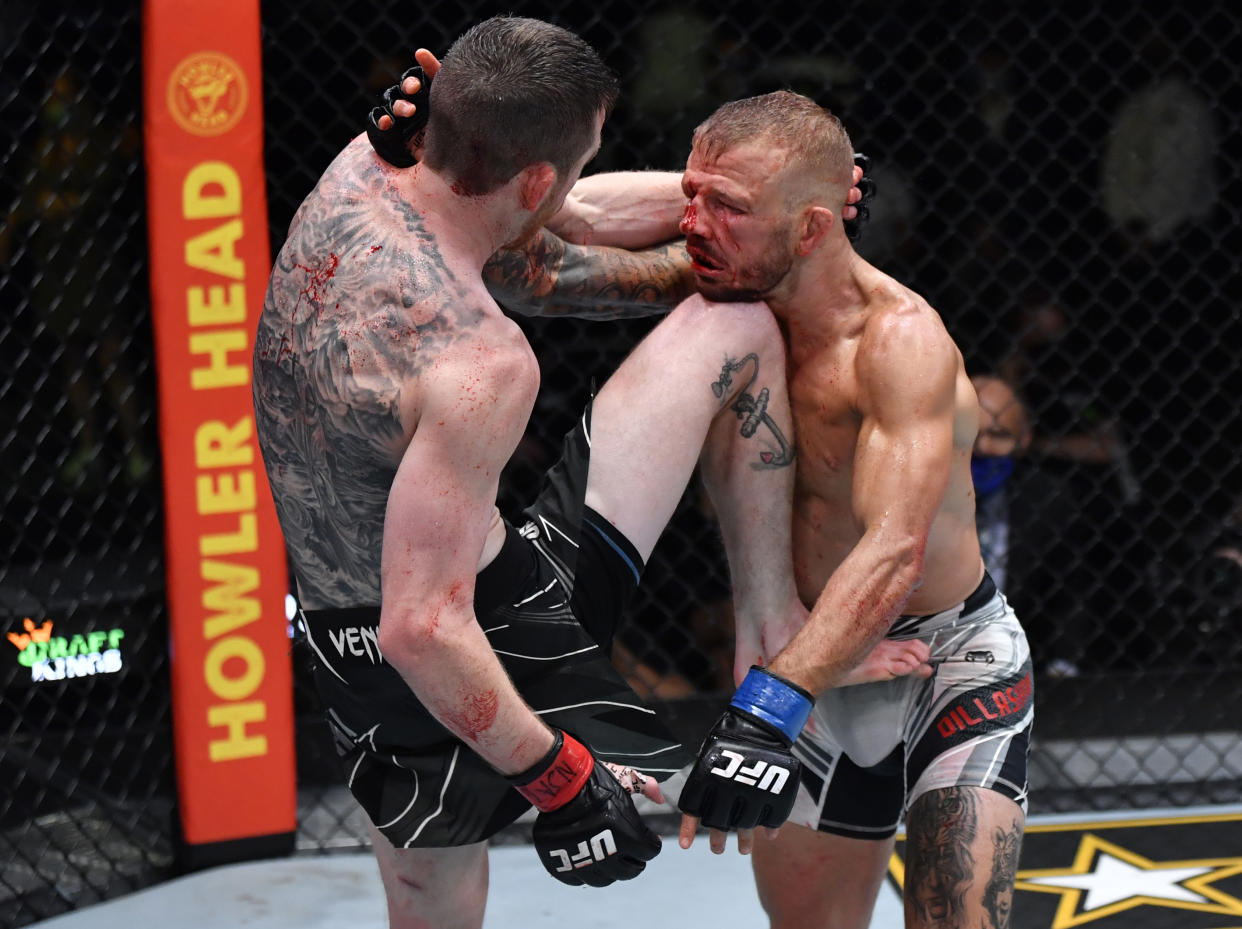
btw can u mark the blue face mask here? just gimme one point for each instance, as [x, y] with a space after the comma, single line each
[989, 474]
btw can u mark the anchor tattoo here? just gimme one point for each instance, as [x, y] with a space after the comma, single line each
[752, 410]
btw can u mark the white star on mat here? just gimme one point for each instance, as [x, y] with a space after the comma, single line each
[1106, 879]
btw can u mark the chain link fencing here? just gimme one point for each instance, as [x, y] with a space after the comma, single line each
[87, 803]
[1062, 186]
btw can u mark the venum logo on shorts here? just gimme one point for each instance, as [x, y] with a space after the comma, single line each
[359, 641]
[761, 774]
[600, 847]
[980, 709]
[56, 658]
[529, 531]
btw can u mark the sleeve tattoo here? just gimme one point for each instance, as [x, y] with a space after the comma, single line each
[550, 277]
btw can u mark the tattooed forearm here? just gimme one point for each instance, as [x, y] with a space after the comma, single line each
[752, 410]
[998, 894]
[943, 825]
[549, 277]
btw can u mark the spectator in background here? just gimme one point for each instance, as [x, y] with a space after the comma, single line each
[1073, 423]
[1066, 369]
[1163, 134]
[1024, 516]
[1004, 435]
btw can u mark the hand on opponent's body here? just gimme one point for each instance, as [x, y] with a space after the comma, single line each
[746, 775]
[588, 830]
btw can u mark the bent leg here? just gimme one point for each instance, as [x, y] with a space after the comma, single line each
[815, 880]
[963, 857]
[444, 888]
[707, 373]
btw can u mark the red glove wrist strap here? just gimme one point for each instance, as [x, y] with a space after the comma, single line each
[562, 779]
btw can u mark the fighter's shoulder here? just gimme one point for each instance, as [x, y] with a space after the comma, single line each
[900, 320]
[905, 350]
[491, 353]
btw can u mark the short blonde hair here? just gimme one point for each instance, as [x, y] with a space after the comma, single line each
[821, 155]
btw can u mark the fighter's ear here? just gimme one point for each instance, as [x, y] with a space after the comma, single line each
[534, 183]
[816, 222]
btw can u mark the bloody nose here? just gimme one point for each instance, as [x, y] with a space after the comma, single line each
[689, 219]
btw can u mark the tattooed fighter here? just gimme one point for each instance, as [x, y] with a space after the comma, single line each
[884, 547]
[462, 658]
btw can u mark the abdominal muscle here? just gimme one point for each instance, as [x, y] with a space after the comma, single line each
[952, 566]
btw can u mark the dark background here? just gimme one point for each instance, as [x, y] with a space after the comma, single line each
[1061, 183]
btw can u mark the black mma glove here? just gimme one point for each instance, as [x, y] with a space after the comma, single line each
[393, 144]
[587, 830]
[853, 227]
[746, 774]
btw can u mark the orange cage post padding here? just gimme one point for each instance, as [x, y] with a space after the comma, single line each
[226, 569]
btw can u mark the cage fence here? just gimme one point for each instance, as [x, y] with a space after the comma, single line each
[1061, 184]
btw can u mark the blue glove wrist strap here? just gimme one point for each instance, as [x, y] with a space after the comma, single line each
[777, 703]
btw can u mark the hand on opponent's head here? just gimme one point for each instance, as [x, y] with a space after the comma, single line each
[396, 124]
[858, 200]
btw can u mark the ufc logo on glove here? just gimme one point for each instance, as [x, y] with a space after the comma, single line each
[746, 774]
[601, 846]
[768, 777]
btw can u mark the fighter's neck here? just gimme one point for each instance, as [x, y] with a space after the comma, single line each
[826, 298]
[472, 228]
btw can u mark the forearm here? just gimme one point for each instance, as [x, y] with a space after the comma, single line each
[458, 678]
[857, 607]
[549, 277]
[630, 209]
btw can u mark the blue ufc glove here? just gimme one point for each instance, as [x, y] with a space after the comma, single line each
[746, 774]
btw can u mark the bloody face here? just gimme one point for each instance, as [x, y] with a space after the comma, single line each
[739, 233]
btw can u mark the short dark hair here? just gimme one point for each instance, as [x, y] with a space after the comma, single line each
[513, 92]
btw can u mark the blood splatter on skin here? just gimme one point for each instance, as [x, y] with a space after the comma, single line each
[316, 288]
[315, 293]
[477, 713]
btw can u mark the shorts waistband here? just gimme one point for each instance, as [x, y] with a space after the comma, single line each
[982, 595]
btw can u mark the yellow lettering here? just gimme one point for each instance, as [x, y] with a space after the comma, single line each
[226, 601]
[219, 445]
[215, 306]
[245, 539]
[210, 190]
[237, 744]
[217, 345]
[226, 492]
[253, 666]
[213, 251]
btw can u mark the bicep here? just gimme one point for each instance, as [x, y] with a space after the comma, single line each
[905, 446]
[901, 471]
[443, 495]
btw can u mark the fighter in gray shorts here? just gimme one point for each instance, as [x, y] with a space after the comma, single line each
[870, 750]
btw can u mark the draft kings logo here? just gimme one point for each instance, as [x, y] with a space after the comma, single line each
[55, 658]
